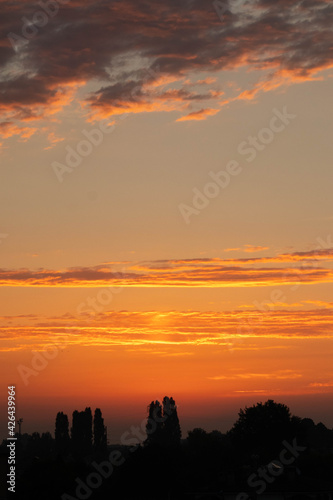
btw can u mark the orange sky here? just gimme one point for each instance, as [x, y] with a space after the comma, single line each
[166, 223]
[120, 360]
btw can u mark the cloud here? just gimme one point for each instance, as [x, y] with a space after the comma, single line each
[10, 129]
[192, 276]
[203, 114]
[247, 248]
[253, 391]
[200, 272]
[279, 375]
[53, 140]
[251, 248]
[253, 330]
[142, 56]
[321, 384]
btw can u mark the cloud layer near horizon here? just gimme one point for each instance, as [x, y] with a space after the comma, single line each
[237, 329]
[142, 56]
[290, 268]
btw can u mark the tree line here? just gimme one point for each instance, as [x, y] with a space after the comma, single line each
[266, 444]
[88, 433]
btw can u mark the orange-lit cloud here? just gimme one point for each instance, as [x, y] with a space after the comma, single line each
[146, 98]
[38, 103]
[278, 375]
[10, 129]
[203, 114]
[322, 384]
[191, 276]
[247, 248]
[143, 56]
[206, 81]
[307, 268]
[235, 330]
[53, 140]
[319, 303]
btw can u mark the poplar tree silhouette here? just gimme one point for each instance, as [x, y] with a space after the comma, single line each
[100, 438]
[81, 432]
[163, 426]
[154, 427]
[172, 429]
[62, 432]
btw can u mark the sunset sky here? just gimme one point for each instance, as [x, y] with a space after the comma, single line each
[167, 209]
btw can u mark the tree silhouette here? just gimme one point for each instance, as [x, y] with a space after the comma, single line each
[81, 432]
[163, 424]
[154, 427]
[100, 439]
[206, 462]
[62, 432]
[171, 429]
[262, 427]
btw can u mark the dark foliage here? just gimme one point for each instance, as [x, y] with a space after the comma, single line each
[166, 468]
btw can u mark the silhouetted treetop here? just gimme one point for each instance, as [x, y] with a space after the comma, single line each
[163, 426]
[261, 416]
[62, 432]
[61, 427]
[81, 431]
[100, 439]
[262, 426]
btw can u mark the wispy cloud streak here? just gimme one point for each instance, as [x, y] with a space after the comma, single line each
[283, 269]
[170, 328]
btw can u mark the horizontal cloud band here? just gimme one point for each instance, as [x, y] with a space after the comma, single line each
[284, 269]
[170, 328]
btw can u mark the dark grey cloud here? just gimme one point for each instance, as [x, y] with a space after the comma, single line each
[125, 46]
